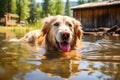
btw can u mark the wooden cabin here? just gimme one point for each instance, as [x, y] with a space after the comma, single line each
[98, 14]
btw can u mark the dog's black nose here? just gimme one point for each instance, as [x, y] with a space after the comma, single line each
[65, 36]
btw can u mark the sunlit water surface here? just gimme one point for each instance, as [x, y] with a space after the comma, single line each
[100, 61]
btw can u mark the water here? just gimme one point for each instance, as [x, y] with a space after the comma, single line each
[100, 61]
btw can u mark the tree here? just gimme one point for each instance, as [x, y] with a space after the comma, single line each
[89, 1]
[53, 7]
[94, 0]
[67, 8]
[23, 9]
[82, 1]
[3, 7]
[59, 7]
[56, 7]
[35, 11]
[13, 6]
[32, 12]
[7, 6]
[39, 11]
[45, 7]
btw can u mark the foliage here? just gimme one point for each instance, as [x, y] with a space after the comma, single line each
[22, 30]
[82, 1]
[38, 11]
[15, 29]
[23, 9]
[36, 25]
[7, 6]
[3, 8]
[31, 10]
[45, 8]
[35, 11]
[67, 8]
[52, 7]
[13, 6]
[59, 6]
[92, 0]
[86, 1]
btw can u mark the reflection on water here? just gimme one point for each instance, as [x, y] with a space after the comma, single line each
[59, 67]
[100, 61]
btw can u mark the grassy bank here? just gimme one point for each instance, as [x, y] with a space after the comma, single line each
[15, 29]
[20, 30]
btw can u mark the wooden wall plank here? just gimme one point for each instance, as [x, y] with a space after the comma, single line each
[98, 17]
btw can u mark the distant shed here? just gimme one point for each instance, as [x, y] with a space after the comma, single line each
[9, 19]
[98, 14]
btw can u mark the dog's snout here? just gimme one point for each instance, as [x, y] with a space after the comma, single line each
[65, 36]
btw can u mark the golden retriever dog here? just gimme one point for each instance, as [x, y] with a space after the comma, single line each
[60, 33]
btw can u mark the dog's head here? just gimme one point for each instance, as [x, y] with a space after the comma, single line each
[61, 32]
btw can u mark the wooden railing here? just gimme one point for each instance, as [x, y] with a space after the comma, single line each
[9, 19]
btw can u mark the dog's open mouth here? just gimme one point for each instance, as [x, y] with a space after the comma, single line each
[64, 46]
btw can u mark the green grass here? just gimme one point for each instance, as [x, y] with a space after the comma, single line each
[15, 29]
[23, 29]
[35, 25]
[19, 30]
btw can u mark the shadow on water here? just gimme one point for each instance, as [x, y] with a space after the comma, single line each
[100, 61]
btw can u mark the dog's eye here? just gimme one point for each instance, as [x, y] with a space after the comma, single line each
[56, 24]
[70, 25]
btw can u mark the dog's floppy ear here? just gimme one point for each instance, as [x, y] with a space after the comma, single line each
[78, 29]
[46, 25]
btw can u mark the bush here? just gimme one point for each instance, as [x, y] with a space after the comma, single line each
[36, 25]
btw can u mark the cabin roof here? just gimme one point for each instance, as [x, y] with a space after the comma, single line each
[96, 4]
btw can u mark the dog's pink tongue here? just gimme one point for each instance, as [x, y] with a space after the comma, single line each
[64, 47]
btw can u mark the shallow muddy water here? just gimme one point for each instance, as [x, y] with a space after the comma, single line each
[100, 61]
